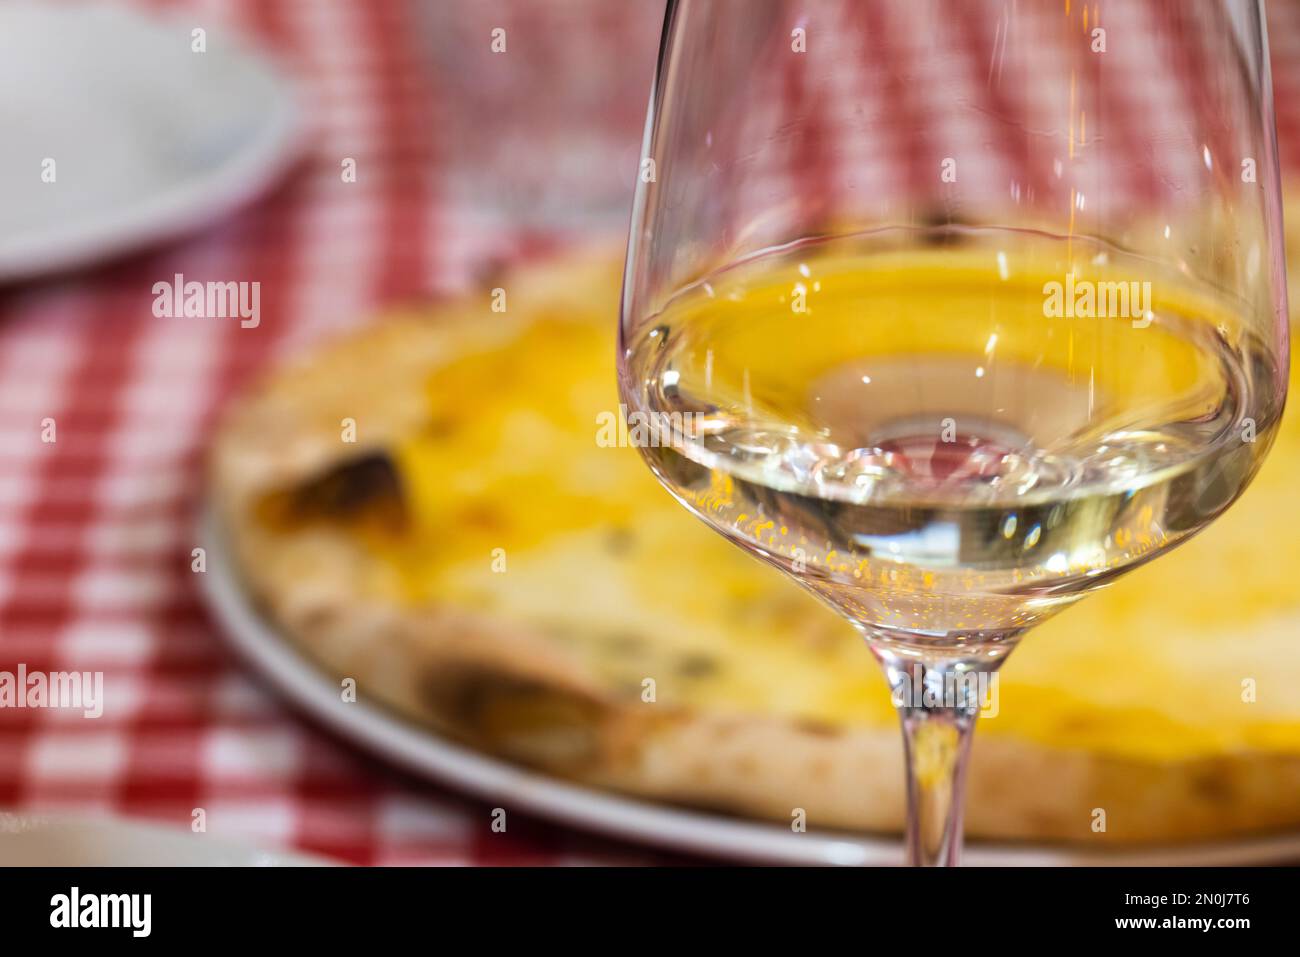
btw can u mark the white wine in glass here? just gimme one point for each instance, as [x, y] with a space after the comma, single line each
[952, 413]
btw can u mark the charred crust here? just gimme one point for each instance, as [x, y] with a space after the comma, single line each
[366, 488]
[518, 717]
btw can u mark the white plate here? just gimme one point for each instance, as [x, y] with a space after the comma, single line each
[423, 752]
[149, 140]
[28, 840]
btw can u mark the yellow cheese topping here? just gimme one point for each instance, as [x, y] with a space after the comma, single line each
[515, 508]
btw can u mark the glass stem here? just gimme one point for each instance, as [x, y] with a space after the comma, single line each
[938, 703]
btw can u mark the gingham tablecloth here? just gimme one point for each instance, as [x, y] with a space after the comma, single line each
[96, 528]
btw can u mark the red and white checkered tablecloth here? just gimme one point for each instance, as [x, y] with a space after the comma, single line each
[96, 528]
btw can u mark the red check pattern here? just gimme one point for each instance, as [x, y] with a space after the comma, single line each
[96, 528]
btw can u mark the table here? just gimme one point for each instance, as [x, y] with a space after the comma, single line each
[96, 529]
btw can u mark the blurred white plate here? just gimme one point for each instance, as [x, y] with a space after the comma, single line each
[149, 140]
[420, 750]
[28, 840]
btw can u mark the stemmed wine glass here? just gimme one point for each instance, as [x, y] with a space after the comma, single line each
[955, 311]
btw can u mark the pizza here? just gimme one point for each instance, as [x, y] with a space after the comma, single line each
[437, 508]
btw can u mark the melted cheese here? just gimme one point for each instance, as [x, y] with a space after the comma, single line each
[599, 558]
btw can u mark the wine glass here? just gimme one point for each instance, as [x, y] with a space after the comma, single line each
[955, 311]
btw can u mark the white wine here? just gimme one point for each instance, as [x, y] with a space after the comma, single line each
[952, 434]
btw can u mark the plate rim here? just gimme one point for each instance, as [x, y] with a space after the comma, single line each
[152, 843]
[421, 751]
[187, 206]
